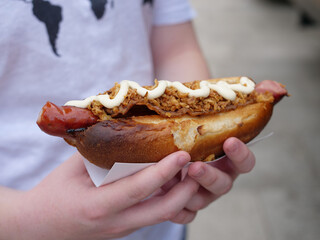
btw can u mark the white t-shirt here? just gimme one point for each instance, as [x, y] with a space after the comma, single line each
[57, 50]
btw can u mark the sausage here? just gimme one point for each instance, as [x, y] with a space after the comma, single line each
[60, 121]
[277, 89]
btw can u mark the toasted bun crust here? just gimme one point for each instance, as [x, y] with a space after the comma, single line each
[147, 139]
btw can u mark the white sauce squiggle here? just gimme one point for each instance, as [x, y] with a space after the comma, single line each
[223, 88]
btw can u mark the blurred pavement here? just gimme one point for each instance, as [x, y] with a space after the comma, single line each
[280, 199]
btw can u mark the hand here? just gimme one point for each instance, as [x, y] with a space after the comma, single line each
[217, 178]
[66, 204]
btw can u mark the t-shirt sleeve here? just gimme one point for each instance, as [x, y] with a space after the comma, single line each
[166, 12]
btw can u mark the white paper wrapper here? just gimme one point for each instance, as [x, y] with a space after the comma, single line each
[101, 176]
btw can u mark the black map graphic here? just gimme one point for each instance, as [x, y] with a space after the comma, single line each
[98, 7]
[51, 16]
[148, 1]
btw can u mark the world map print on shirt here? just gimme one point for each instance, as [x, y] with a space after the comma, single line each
[148, 1]
[99, 7]
[52, 16]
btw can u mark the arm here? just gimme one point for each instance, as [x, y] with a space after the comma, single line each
[177, 57]
[176, 53]
[66, 204]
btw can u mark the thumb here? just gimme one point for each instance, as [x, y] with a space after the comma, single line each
[74, 166]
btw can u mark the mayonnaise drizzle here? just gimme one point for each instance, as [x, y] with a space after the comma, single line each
[223, 88]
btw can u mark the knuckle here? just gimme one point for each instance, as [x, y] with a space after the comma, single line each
[201, 202]
[228, 186]
[116, 230]
[193, 188]
[137, 193]
[211, 180]
[246, 162]
[250, 164]
[162, 175]
[184, 217]
[244, 156]
[247, 169]
[167, 216]
[197, 206]
[92, 213]
[189, 218]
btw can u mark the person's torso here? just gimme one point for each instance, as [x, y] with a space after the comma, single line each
[56, 51]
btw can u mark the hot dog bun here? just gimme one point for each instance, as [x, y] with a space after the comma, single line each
[149, 138]
[146, 139]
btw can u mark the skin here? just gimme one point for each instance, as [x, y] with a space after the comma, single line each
[178, 57]
[66, 204]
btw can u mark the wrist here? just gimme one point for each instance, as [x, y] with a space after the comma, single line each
[10, 207]
[20, 215]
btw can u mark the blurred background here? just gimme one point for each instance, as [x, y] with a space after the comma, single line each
[278, 40]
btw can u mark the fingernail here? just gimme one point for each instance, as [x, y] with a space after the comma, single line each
[234, 146]
[183, 160]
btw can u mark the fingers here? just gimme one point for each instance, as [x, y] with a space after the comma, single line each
[164, 208]
[217, 179]
[239, 154]
[135, 188]
[212, 179]
[185, 216]
[168, 185]
[239, 159]
[201, 200]
[214, 184]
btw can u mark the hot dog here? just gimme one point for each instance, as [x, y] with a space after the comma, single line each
[130, 123]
